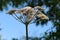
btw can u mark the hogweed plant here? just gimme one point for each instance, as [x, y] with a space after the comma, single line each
[27, 15]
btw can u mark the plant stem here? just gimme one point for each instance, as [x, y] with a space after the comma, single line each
[26, 31]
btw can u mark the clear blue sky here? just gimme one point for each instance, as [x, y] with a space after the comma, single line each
[11, 28]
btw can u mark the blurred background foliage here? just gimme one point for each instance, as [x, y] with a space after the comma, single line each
[53, 13]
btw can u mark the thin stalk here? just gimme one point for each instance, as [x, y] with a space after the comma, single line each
[26, 31]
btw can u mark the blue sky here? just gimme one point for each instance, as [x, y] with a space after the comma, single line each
[11, 28]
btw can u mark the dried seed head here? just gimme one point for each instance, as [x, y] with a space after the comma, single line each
[39, 8]
[24, 10]
[41, 15]
[11, 12]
